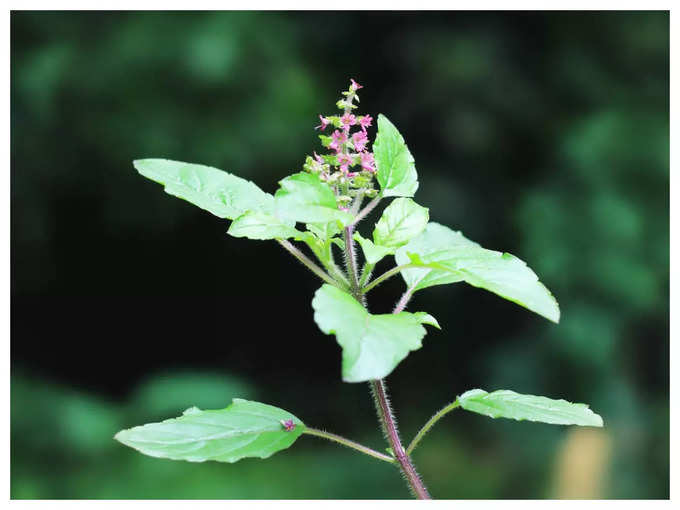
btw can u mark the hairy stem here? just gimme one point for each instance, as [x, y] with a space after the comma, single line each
[351, 263]
[366, 274]
[334, 270]
[430, 423]
[382, 405]
[390, 429]
[405, 297]
[349, 443]
[366, 210]
[307, 262]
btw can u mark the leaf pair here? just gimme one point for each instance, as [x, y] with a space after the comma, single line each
[302, 197]
[251, 429]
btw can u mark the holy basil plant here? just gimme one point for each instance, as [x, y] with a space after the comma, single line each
[321, 207]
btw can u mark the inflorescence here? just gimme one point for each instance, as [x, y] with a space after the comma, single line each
[349, 168]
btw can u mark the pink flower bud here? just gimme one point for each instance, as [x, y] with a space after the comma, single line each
[355, 86]
[289, 425]
[324, 123]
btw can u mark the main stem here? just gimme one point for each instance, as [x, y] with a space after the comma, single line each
[390, 428]
[382, 405]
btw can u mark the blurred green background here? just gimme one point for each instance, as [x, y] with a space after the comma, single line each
[543, 134]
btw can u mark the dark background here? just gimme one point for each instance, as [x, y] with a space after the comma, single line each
[542, 134]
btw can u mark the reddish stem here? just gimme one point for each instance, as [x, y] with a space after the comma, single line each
[390, 429]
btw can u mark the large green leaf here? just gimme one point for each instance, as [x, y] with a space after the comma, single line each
[305, 198]
[396, 167]
[448, 257]
[244, 429]
[372, 345]
[400, 222]
[372, 252]
[214, 190]
[259, 225]
[508, 404]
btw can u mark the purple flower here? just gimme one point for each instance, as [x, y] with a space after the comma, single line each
[359, 140]
[355, 86]
[289, 425]
[339, 138]
[367, 161]
[348, 120]
[324, 123]
[345, 160]
[365, 121]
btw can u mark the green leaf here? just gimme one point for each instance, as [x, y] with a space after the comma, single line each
[372, 252]
[448, 257]
[396, 169]
[400, 222]
[508, 404]
[372, 345]
[214, 190]
[259, 225]
[305, 198]
[324, 231]
[244, 429]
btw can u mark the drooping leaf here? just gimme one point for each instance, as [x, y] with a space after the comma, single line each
[396, 167]
[372, 345]
[244, 429]
[508, 404]
[448, 257]
[426, 318]
[400, 222]
[214, 190]
[372, 252]
[305, 198]
[259, 225]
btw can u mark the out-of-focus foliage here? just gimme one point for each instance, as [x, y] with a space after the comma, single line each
[81, 429]
[545, 135]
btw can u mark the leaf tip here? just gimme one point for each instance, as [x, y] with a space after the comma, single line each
[120, 436]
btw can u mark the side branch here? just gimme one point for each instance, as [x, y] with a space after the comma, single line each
[350, 444]
[430, 423]
[307, 262]
[387, 275]
[366, 210]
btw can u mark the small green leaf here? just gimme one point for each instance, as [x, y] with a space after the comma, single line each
[448, 257]
[324, 231]
[244, 429]
[214, 190]
[372, 345]
[258, 225]
[508, 404]
[396, 169]
[372, 252]
[400, 222]
[426, 318]
[305, 198]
